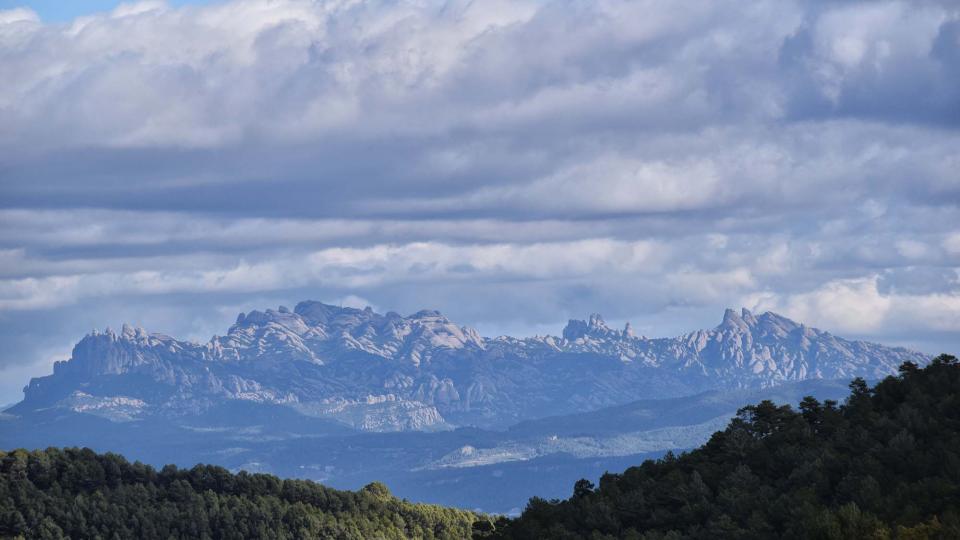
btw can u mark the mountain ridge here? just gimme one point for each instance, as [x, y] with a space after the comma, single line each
[387, 372]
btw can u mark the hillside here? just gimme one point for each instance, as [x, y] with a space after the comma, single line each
[76, 493]
[494, 471]
[885, 464]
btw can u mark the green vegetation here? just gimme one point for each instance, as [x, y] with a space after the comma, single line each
[886, 464]
[76, 493]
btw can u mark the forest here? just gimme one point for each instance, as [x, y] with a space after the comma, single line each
[76, 493]
[883, 465]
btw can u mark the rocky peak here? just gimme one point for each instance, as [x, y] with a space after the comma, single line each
[133, 333]
[575, 329]
[732, 321]
[317, 312]
[767, 322]
[596, 323]
[594, 326]
[112, 353]
[327, 330]
[127, 336]
[428, 315]
[771, 322]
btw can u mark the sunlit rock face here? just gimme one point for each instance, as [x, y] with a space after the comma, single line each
[387, 372]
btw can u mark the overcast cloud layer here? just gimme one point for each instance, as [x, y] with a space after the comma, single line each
[513, 164]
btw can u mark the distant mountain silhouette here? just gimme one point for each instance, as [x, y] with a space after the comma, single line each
[386, 372]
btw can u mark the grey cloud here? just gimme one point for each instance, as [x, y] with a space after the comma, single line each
[918, 280]
[513, 164]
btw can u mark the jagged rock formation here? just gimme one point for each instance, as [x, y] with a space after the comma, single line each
[386, 372]
[744, 350]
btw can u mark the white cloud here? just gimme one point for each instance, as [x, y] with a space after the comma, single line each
[852, 305]
[857, 305]
[870, 38]
[706, 287]
[147, 74]
[344, 267]
[951, 243]
[128, 9]
[18, 15]
[911, 249]
[616, 184]
[354, 301]
[529, 160]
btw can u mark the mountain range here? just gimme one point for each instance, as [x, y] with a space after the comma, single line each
[348, 396]
[386, 372]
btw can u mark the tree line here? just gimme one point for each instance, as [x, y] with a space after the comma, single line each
[885, 464]
[77, 493]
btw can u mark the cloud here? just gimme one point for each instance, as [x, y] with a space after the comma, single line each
[510, 163]
[852, 305]
[614, 184]
[951, 243]
[858, 306]
[137, 8]
[18, 15]
[869, 60]
[146, 75]
[338, 266]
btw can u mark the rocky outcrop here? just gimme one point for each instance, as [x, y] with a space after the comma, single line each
[385, 372]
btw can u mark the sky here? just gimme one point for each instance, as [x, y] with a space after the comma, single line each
[513, 164]
[59, 11]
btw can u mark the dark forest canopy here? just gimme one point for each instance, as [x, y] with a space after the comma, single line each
[76, 493]
[886, 464]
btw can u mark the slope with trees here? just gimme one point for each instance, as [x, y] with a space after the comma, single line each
[885, 464]
[76, 493]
